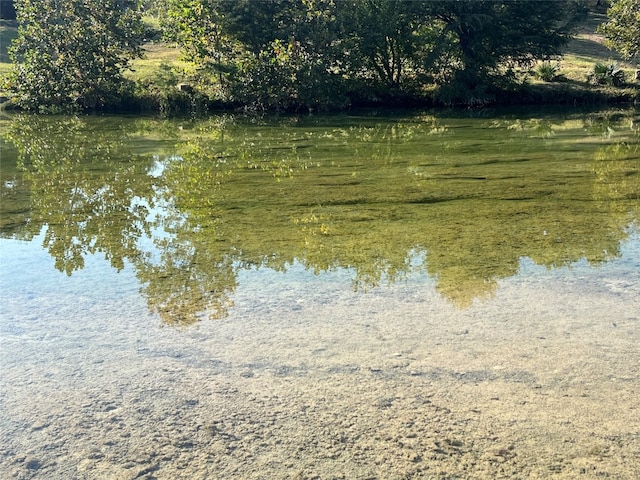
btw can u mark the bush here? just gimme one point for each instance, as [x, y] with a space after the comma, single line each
[168, 96]
[607, 74]
[286, 77]
[71, 55]
[547, 72]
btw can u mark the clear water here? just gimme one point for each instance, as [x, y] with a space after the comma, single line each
[432, 295]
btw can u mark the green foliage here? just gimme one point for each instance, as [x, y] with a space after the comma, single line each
[268, 54]
[294, 54]
[384, 39]
[291, 54]
[196, 25]
[70, 54]
[162, 93]
[459, 93]
[607, 74]
[286, 77]
[547, 72]
[490, 35]
[622, 30]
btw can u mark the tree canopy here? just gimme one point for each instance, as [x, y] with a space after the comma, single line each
[291, 54]
[70, 54]
[622, 30]
[299, 49]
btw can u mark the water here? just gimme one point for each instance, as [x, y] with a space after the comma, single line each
[432, 295]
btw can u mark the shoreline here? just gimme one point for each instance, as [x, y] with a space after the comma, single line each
[557, 95]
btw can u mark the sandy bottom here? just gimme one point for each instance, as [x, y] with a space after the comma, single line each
[309, 380]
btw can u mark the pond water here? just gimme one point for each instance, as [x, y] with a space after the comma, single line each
[418, 295]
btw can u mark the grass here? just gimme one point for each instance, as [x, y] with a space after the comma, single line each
[587, 49]
[576, 66]
[8, 31]
[155, 55]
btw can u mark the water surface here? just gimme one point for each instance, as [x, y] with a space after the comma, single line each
[445, 295]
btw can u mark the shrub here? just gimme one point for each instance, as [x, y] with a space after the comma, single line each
[71, 55]
[286, 77]
[547, 72]
[607, 74]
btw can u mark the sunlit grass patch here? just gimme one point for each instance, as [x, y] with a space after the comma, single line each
[8, 31]
[155, 55]
[574, 71]
[589, 48]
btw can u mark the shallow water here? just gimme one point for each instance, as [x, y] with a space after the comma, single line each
[415, 296]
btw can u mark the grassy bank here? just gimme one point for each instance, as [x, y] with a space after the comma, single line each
[588, 48]
[577, 65]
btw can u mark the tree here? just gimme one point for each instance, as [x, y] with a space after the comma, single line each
[292, 51]
[297, 53]
[489, 34]
[622, 30]
[196, 25]
[71, 54]
[382, 38]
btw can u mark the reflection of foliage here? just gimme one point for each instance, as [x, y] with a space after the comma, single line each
[366, 195]
[188, 282]
[81, 189]
[622, 30]
[94, 197]
[191, 278]
[617, 182]
[373, 196]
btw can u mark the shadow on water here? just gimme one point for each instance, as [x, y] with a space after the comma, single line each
[190, 204]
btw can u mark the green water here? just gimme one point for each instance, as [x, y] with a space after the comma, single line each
[420, 295]
[461, 197]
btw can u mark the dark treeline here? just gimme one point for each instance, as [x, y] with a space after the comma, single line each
[287, 54]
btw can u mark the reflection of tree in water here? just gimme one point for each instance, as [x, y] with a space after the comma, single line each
[190, 281]
[84, 187]
[368, 196]
[94, 196]
[191, 278]
[617, 168]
